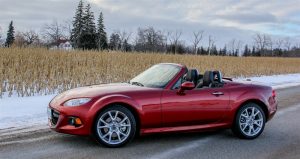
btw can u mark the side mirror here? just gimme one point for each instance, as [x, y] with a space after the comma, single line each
[186, 86]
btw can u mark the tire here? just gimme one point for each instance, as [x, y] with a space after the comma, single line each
[115, 126]
[248, 125]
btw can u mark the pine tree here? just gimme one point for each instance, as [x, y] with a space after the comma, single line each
[114, 42]
[101, 34]
[88, 38]
[224, 51]
[77, 26]
[253, 53]
[247, 51]
[10, 35]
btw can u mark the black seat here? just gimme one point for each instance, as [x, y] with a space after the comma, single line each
[207, 79]
[192, 76]
[211, 79]
[218, 76]
[217, 79]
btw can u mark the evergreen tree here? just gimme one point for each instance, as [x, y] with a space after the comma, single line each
[101, 34]
[10, 35]
[114, 41]
[127, 46]
[224, 51]
[247, 51]
[88, 37]
[253, 53]
[77, 26]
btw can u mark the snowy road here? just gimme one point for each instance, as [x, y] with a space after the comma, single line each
[281, 139]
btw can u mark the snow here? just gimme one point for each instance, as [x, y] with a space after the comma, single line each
[276, 81]
[23, 112]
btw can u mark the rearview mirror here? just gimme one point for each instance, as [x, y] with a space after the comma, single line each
[186, 86]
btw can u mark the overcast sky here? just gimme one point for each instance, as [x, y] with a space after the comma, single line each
[223, 19]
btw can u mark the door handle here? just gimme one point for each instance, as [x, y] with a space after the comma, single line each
[218, 93]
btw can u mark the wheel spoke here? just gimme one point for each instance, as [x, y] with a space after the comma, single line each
[116, 115]
[109, 139]
[104, 126]
[109, 113]
[103, 121]
[257, 124]
[121, 122]
[244, 116]
[251, 130]
[122, 133]
[247, 113]
[245, 127]
[105, 135]
[256, 113]
[125, 125]
[119, 138]
[253, 109]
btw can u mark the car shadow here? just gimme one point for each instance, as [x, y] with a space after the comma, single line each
[148, 140]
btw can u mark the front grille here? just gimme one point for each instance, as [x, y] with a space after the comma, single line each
[53, 116]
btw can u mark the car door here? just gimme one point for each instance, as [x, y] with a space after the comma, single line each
[194, 107]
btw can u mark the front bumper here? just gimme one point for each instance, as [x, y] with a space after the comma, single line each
[59, 120]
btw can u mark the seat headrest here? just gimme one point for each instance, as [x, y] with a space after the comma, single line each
[192, 75]
[219, 76]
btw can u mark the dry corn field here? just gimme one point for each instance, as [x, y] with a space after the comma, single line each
[28, 72]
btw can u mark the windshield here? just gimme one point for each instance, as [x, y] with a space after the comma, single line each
[157, 76]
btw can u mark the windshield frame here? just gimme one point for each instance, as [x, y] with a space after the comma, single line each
[171, 81]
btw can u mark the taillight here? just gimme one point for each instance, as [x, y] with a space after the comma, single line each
[273, 93]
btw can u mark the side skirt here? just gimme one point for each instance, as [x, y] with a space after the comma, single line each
[185, 128]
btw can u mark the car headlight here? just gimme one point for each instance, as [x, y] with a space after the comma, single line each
[76, 102]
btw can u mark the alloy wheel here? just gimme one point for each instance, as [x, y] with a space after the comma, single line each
[113, 127]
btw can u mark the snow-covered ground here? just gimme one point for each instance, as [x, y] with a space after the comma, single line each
[22, 112]
[276, 81]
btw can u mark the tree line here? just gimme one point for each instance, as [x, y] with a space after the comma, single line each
[85, 34]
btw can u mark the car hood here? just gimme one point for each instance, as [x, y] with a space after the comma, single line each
[96, 91]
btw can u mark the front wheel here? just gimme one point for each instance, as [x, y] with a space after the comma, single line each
[115, 126]
[249, 121]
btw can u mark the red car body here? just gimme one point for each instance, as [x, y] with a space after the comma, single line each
[163, 109]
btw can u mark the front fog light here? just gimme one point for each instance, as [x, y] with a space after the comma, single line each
[75, 121]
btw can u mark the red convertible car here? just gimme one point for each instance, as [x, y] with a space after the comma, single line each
[164, 98]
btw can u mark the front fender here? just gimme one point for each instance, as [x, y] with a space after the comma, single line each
[102, 102]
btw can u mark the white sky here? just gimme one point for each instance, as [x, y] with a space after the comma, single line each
[223, 19]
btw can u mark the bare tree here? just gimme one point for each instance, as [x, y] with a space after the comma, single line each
[279, 43]
[53, 32]
[31, 37]
[124, 37]
[1, 40]
[149, 39]
[20, 40]
[262, 41]
[211, 43]
[197, 38]
[287, 43]
[67, 28]
[174, 38]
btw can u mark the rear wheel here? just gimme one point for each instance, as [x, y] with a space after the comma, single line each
[115, 126]
[249, 121]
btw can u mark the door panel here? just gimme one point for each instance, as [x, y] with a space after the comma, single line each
[194, 107]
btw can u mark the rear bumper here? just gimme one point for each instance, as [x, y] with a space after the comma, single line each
[272, 110]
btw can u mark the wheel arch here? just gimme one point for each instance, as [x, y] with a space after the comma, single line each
[261, 104]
